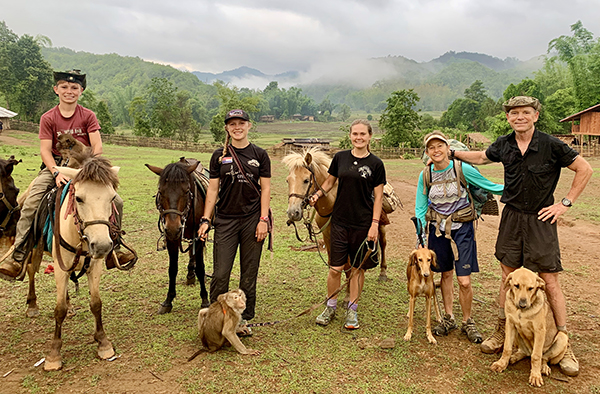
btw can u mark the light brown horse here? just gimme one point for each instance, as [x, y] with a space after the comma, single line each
[83, 229]
[308, 170]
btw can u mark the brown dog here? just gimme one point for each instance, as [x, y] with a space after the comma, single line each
[530, 325]
[420, 282]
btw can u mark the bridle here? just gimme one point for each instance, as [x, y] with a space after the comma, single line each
[189, 207]
[312, 182]
[80, 224]
[308, 217]
[11, 210]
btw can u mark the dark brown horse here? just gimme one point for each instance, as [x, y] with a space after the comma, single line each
[9, 209]
[180, 202]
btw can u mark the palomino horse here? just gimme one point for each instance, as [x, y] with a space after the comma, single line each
[82, 232]
[180, 202]
[9, 208]
[307, 172]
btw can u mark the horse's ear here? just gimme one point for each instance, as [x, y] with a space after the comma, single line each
[308, 158]
[115, 170]
[154, 169]
[68, 172]
[192, 167]
[10, 166]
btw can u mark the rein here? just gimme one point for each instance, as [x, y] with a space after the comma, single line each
[81, 225]
[307, 219]
[335, 293]
[189, 207]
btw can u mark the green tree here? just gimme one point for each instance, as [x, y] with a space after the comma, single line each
[104, 118]
[345, 112]
[399, 120]
[582, 55]
[476, 92]
[26, 81]
[141, 120]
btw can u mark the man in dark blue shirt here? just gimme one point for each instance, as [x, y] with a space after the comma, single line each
[527, 236]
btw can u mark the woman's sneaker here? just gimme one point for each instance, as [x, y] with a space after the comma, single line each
[470, 330]
[351, 320]
[326, 316]
[447, 324]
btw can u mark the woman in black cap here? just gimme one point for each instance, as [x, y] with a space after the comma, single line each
[240, 178]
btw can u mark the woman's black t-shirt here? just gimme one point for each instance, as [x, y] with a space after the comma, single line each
[357, 177]
[237, 198]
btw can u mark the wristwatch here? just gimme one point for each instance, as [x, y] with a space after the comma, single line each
[55, 174]
[566, 202]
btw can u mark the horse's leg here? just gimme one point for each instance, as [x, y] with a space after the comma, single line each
[200, 273]
[382, 244]
[32, 267]
[105, 348]
[191, 269]
[167, 305]
[53, 360]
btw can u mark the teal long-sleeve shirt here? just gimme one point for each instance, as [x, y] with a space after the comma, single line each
[472, 176]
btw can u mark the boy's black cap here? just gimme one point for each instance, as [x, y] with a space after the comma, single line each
[237, 113]
[70, 76]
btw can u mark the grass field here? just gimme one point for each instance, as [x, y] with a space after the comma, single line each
[297, 356]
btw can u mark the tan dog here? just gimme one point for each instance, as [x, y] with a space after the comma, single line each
[530, 325]
[420, 282]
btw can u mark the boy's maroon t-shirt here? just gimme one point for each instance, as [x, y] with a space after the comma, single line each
[53, 124]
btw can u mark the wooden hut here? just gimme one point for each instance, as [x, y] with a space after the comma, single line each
[267, 118]
[589, 124]
[477, 141]
[5, 116]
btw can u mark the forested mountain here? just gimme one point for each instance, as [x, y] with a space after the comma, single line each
[112, 72]
[437, 82]
[242, 73]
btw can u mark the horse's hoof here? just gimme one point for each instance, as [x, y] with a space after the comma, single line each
[383, 278]
[52, 365]
[191, 280]
[164, 309]
[205, 303]
[32, 312]
[106, 353]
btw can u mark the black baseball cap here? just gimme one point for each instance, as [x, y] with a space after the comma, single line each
[237, 113]
[70, 76]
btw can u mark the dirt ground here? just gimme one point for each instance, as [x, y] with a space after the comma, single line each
[580, 248]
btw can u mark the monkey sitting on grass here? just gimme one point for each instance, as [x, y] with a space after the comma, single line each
[218, 322]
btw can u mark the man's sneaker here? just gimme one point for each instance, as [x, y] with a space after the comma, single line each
[495, 343]
[569, 364]
[471, 331]
[326, 316]
[448, 324]
[351, 320]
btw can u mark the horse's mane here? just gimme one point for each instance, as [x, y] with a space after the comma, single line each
[174, 172]
[320, 160]
[95, 168]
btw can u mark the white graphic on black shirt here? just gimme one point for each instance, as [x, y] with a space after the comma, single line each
[253, 163]
[365, 171]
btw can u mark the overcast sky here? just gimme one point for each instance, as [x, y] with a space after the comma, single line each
[275, 36]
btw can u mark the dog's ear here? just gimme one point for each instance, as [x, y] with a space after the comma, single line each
[412, 259]
[508, 280]
[541, 284]
[433, 258]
